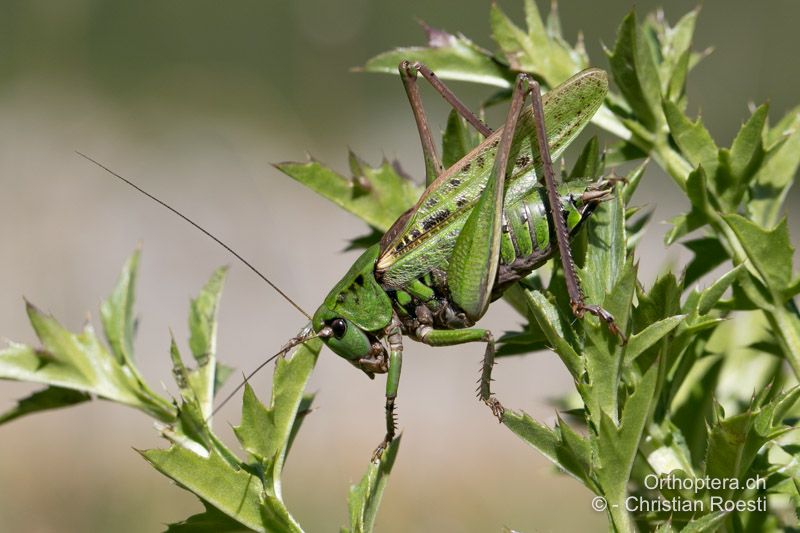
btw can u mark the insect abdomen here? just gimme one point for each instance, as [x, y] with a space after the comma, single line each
[525, 229]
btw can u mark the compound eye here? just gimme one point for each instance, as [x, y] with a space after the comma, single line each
[339, 326]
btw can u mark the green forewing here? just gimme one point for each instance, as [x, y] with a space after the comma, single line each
[441, 212]
[358, 297]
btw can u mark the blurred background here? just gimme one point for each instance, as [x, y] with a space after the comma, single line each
[194, 100]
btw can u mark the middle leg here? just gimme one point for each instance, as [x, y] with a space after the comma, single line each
[448, 337]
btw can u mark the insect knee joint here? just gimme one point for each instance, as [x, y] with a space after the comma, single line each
[422, 332]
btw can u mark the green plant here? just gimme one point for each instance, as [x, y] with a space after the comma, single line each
[238, 495]
[648, 422]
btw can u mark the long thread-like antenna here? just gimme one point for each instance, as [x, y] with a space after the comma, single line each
[239, 387]
[206, 232]
[324, 332]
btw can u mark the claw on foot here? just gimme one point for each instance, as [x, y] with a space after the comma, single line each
[378, 453]
[497, 408]
[602, 314]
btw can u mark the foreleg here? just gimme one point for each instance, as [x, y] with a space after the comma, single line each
[394, 338]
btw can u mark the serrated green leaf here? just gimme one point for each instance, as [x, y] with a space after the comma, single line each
[235, 493]
[179, 370]
[214, 474]
[712, 294]
[575, 454]
[793, 289]
[675, 90]
[666, 451]
[266, 432]
[747, 148]
[675, 47]
[785, 127]
[458, 140]
[619, 300]
[536, 434]
[116, 312]
[783, 405]
[67, 348]
[557, 330]
[770, 251]
[389, 193]
[621, 152]
[697, 191]
[617, 445]
[553, 22]
[520, 342]
[203, 316]
[532, 51]
[633, 179]
[692, 405]
[77, 362]
[734, 442]
[646, 338]
[191, 431]
[209, 521]
[203, 341]
[636, 229]
[24, 363]
[365, 498]
[589, 163]
[634, 417]
[750, 294]
[44, 400]
[693, 139]
[708, 254]
[605, 258]
[452, 57]
[662, 301]
[221, 375]
[256, 431]
[635, 72]
[602, 355]
[772, 181]
[738, 165]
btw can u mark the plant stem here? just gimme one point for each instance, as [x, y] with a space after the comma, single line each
[620, 518]
[785, 325]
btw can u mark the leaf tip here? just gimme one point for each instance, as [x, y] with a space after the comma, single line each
[436, 37]
[31, 308]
